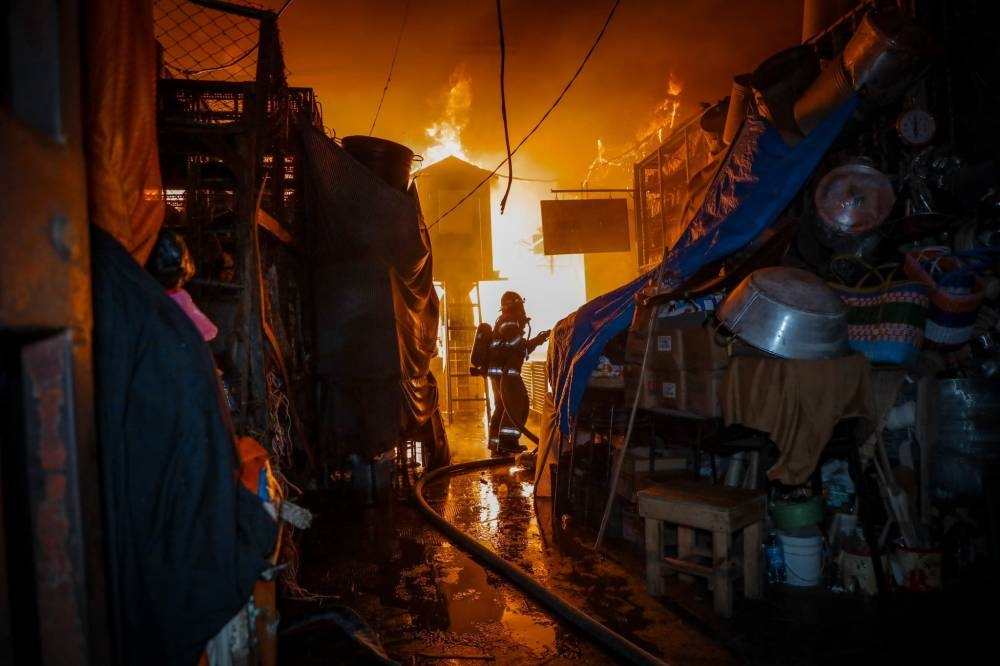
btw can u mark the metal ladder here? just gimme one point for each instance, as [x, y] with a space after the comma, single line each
[461, 320]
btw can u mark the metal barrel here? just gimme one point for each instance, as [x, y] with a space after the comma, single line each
[388, 160]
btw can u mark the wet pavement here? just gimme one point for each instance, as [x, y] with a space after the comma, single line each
[428, 602]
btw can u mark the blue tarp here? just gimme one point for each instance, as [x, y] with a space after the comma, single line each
[758, 178]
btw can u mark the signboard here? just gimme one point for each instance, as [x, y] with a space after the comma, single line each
[580, 226]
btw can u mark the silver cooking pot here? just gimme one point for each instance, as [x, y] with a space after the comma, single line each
[787, 312]
[854, 198]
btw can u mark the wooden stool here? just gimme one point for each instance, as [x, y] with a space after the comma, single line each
[721, 510]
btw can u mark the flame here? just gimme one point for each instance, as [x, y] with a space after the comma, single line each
[598, 162]
[674, 86]
[664, 116]
[447, 132]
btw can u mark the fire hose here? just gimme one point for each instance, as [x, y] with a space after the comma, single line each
[610, 640]
[522, 427]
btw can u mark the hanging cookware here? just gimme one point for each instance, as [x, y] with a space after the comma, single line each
[787, 312]
[886, 50]
[854, 198]
[779, 81]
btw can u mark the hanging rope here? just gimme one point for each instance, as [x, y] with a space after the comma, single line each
[541, 120]
[503, 110]
[392, 66]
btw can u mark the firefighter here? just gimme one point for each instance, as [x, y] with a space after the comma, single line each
[510, 345]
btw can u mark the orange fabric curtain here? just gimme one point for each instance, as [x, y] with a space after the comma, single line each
[120, 122]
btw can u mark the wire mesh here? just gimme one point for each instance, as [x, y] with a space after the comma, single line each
[203, 43]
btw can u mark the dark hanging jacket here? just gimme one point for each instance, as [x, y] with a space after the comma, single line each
[185, 541]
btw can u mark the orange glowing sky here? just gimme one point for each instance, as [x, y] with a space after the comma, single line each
[343, 50]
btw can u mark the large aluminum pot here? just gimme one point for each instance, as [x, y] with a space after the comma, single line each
[787, 312]
[779, 81]
[885, 50]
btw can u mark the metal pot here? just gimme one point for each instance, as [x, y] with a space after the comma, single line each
[779, 81]
[787, 312]
[886, 49]
[854, 198]
[388, 160]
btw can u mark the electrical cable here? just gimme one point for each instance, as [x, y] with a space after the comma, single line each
[591, 628]
[541, 120]
[503, 110]
[392, 66]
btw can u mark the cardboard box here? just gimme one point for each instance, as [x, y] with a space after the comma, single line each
[681, 342]
[678, 392]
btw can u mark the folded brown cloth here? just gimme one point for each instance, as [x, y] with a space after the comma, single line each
[797, 403]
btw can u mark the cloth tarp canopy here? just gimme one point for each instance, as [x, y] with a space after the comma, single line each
[758, 178]
[376, 307]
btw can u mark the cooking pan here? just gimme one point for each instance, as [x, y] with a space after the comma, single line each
[787, 312]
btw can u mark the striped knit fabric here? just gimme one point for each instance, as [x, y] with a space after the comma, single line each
[955, 296]
[886, 323]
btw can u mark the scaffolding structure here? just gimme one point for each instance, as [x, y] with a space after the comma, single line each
[231, 163]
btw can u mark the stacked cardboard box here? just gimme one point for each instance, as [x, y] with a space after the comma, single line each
[685, 364]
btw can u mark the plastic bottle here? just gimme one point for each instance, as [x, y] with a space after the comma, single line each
[775, 555]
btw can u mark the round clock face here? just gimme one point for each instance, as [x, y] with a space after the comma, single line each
[916, 127]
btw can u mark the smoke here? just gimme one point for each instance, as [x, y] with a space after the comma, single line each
[343, 50]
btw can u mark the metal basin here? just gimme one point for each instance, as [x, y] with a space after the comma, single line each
[787, 312]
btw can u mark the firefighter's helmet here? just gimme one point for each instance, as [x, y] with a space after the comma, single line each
[511, 301]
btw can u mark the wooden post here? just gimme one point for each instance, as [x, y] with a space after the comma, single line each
[721, 574]
[654, 557]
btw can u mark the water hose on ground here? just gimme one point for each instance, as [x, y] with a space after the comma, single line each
[612, 641]
[532, 437]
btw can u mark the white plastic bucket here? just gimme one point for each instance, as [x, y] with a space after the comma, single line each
[803, 550]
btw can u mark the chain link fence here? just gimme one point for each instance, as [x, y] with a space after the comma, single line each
[202, 43]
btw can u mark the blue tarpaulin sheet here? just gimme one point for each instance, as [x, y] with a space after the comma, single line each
[758, 178]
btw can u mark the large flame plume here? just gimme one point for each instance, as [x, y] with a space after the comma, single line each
[446, 133]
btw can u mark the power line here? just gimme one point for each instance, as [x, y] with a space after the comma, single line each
[503, 110]
[392, 65]
[541, 120]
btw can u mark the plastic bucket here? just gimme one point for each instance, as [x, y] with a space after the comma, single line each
[803, 556]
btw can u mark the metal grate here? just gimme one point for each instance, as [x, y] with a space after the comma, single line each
[535, 377]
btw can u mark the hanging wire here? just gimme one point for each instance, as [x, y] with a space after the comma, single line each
[541, 120]
[503, 110]
[392, 65]
[284, 7]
